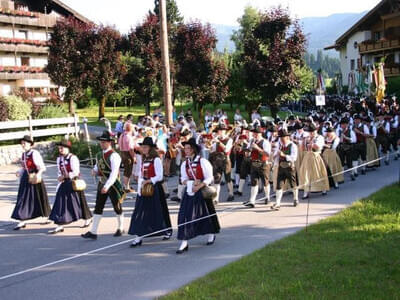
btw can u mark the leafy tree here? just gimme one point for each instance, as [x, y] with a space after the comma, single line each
[271, 52]
[103, 57]
[173, 15]
[67, 62]
[143, 60]
[197, 69]
[247, 22]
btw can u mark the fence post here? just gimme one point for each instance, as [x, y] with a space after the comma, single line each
[76, 120]
[30, 127]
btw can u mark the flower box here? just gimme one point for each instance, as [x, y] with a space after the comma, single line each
[386, 44]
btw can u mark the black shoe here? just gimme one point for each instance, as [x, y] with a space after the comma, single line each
[236, 186]
[363, 172]
[295, 203]
[175, 190]
[386, 162]
[324, 193]
[89, 235]
[166, 196]
[179, 251]
[167, 237]
[136, 244]
[396, 157]
[266, 201]
[230, 199]
[222, 183]
[352, 177]
[19, 227]
[119, 232]
[249, 205]
[238, 193]
[356, 174]
[175, 199]
[212, 242]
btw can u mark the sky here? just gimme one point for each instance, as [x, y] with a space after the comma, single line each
[127, 13]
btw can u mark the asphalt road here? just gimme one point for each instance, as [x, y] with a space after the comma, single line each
[113, 270]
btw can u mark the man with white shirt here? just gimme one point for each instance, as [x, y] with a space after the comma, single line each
[348, 139]
[107, 167]
[285, 157]
[260, 167]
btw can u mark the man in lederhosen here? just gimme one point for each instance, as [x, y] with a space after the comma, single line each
[348, 140]
[361, 130]
[219, 159]
[382, 138]
[260, 166]
[286, 156]
[107, 166]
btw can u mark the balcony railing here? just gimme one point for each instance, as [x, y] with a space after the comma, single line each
[379, 46]
[23, 76]
[20, 69]
[23, 41]
[41, 20]
[23, 48]
[393, 71]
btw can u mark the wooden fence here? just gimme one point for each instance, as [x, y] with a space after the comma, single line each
[71, 127]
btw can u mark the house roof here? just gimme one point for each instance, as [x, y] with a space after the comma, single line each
[356, 27]
[68, 9]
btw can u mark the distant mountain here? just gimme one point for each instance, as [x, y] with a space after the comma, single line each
[321, 31]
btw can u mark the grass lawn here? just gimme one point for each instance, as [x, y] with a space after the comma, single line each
[91, 113]
[352, 255]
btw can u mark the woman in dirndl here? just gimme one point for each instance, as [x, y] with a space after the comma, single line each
[151, 215]
[313, 174]
[69, 206]
[196, 173]
[32, 199]
[331, 158]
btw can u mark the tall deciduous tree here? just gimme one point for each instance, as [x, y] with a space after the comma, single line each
[205, 76]
[67, 65]
[144, 65]
[271, 52]
[103, 58]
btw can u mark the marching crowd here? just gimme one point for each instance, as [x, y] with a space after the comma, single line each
[306, 153]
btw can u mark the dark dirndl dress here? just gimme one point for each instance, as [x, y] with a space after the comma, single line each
[69, 206]
[192, 208]
[32, 200]
[151, 214]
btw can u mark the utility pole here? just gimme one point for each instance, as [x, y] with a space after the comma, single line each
[165, 62]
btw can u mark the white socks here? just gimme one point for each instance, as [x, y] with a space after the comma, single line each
[211, 238]
[165, 187]
[96, 222]
[241, 185]
[180, 191]
[230, 188]
[237, 179]
[296, 195]
[120, 219]
[267, 190]
[183, 245]
[355, 165]
[253, 194]
[279, 194]
[218, 188]
[87, 222]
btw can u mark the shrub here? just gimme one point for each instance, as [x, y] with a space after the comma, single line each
[87, 100]
[393, 86]
[3, 111]
[52, 111]
[17, 108]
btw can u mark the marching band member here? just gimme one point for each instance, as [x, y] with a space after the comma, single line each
[69, 205]
[313, 174]
[382, 139]
[346, 149]
[219, 158]
[285, 157]
[151, 211]
[260, 167]
[32, 199]
[107, 166]
[361, 147]
[196, 173]
[372, 150]
[331, 158]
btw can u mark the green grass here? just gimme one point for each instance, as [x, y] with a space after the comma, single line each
[352, 255]
[91, 113]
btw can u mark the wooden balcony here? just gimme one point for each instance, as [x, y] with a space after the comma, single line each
[379, 46]
[392, 71]
[38, 22]
[22, 75]
[23, 48]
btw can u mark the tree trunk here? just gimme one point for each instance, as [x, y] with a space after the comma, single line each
[148, 106]
[71, 106]
[102, 107]
[200, 109]
[274, 110]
